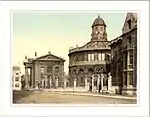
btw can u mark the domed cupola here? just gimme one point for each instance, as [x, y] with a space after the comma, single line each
[99, 21]
[99, 30]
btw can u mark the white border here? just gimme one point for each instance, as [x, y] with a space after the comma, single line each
[6, 7]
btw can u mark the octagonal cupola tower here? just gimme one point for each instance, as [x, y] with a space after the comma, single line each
[88, 61]
[99, 30]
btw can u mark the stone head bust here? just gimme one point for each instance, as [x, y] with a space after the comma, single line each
[109, 74]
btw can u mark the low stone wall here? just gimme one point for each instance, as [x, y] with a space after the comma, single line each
[129, 90]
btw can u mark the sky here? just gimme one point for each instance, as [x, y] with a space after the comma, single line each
[42, 32]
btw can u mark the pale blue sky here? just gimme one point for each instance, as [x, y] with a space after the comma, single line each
[57, 31]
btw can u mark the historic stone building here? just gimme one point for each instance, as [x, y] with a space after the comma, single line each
[123, 59]
[87, 63]
[16, 78]
[45, 71]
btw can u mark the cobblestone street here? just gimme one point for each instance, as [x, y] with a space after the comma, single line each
[38, 97]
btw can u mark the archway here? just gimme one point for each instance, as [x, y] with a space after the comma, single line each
[81, 78]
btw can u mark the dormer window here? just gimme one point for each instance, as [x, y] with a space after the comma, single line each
[129, 23]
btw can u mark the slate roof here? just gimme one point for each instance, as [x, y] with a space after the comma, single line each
[92, 45]
[98, 21]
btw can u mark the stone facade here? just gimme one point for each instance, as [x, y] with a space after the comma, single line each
[46, 71]
[87, 63]
[124, 57]
[16, 78]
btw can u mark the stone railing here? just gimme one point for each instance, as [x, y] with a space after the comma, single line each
[87, 63]
[85, 49]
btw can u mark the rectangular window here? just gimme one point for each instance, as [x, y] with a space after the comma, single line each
[129, 23]
[99, 56]
[16, 78]
[129, 39]
[42, 70]
[92, 57]
[95, 57]
[131, 57]
[130, 78]
[103, 56]
[17, 73]
[125, 61]
[89, 56]
[16, 85]
[49, 69]
[82, 57]
[131, 60]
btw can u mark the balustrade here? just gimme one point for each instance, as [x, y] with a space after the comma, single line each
[87, 62]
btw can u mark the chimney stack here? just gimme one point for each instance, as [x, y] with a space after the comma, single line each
[25, 57]
[35, 54]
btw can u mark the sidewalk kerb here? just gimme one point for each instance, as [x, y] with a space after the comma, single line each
[97, 95]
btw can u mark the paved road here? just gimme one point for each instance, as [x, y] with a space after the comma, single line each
[28, 97]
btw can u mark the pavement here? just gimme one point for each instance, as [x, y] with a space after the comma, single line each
[104, 95]
[45, 97]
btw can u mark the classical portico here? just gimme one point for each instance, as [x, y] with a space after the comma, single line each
[44, 72]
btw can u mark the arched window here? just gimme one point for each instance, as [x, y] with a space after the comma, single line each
[56, 69]
[101, 70]
[90, 70]
[81, 71]
[74, 71]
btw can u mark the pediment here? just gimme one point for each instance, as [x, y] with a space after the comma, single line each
[50, 57]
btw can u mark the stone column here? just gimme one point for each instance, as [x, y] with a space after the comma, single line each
[98, 80]
[56, 81]
[123, 69]
[134, 67]
[64, 82]
[109, 82]
[75, 83]
[32, 77]
[46, 82]
[50, 82]
[86, 87]
[92, 83]
[42, 83]
[102, 77]
[36, 84]
[26, 78]
[128, 61]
